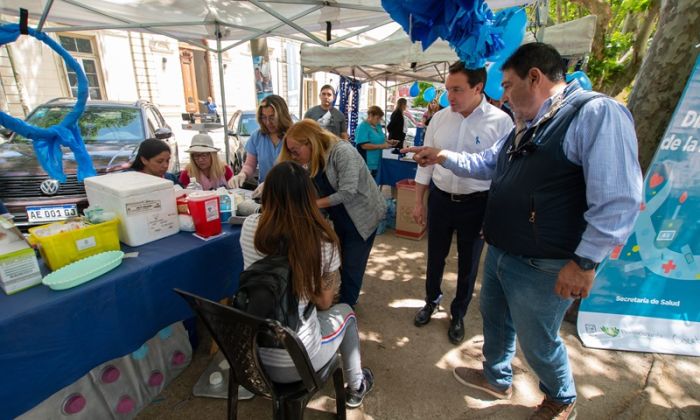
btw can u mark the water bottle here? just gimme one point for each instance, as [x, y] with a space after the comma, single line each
[225, 209]
[194, 185]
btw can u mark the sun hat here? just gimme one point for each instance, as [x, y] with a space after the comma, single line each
[202, 143]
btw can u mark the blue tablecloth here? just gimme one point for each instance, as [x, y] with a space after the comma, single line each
[393, 170]
[49, 339]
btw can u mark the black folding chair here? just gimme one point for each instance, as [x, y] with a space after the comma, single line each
[236, 334]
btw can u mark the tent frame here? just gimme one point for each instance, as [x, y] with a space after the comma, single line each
[152, 27]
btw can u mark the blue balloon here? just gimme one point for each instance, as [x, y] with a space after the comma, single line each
[429, 94]
[582, 79]
[513, 32]
[493, 87]
[444, 101]
[415, 90]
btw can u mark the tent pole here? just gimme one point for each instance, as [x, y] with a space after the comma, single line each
[44, 15]
[301, 91]
[386, 99]
[223, 91]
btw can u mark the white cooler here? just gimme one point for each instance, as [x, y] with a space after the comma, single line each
[144, 203]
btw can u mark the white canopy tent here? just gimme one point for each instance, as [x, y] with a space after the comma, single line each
[397, 59]
[322, 22]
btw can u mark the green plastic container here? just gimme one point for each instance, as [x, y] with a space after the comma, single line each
[84, 270]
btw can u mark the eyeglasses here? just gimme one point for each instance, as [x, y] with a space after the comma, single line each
[265, 118]
[200, 156]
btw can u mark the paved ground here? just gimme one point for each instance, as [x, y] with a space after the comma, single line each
[413, 366]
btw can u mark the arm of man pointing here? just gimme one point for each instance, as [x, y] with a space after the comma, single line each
[474, 165]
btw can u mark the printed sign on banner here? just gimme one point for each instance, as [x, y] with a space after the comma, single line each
[646, 296]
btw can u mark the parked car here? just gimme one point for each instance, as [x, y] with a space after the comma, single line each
[112, 132]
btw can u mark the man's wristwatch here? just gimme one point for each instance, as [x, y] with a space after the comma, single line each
[585, 263]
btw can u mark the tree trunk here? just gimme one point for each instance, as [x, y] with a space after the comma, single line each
[664, 73]
[601, 9]
[614, 85]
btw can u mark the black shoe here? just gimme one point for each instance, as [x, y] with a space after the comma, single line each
[456, 331]
[423, 316]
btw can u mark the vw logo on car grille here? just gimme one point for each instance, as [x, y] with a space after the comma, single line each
[49, 187]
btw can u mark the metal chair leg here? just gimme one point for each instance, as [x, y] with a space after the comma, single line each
[338, 383]
[232, 399]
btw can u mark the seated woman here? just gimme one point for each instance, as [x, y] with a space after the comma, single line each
[265, 143]
[290, 216]
[370, 140]
[153, 158]
[347, 192]
[205, 165]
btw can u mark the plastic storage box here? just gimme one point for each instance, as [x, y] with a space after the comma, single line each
[66, 247]
[144, 203]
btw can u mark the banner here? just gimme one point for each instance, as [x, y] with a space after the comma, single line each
[646, 295]
[261, 69]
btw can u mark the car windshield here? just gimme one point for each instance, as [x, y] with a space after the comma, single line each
[248, 124]
[97, 124]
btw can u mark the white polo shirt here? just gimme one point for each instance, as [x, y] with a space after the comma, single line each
[472, 134]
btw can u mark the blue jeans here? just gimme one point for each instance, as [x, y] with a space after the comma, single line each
[517, 297]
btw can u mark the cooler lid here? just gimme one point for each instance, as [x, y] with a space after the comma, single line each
[125, 184]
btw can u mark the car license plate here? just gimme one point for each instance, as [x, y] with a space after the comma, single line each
[51, 213]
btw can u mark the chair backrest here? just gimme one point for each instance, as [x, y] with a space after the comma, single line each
[236, 334]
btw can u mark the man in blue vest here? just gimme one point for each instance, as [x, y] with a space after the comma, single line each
[566, 188]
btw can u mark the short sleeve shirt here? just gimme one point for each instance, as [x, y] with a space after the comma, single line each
[332, 120]
[260, 145]
[365, 133]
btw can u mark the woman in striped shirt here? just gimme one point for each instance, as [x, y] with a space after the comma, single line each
[290, 216]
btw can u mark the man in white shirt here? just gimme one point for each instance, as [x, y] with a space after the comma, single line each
[470, 124]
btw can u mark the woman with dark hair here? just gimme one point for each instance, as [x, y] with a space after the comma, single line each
[346, 192]
[290, 223]
[398, 126]
[153, 158]
[265, 143]
[370, 139]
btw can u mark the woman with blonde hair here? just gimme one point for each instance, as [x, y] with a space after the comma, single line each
[205, 165]
[264, 145]
[347, 193]
[291, 224]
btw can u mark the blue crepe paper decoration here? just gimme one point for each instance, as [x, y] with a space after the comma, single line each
[47, 142]
[471, 28]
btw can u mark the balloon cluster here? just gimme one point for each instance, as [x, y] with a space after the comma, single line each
[472, 29]
[515, 30]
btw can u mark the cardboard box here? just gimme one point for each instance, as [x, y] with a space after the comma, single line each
[19, 268]
[405, 199]
[144, 203]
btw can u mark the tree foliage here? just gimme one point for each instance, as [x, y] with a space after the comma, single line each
[623, 30]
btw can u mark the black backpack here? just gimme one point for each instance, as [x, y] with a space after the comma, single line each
[265, 290]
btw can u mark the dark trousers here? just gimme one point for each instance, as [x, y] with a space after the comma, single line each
[445, 216]
[354, 253]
